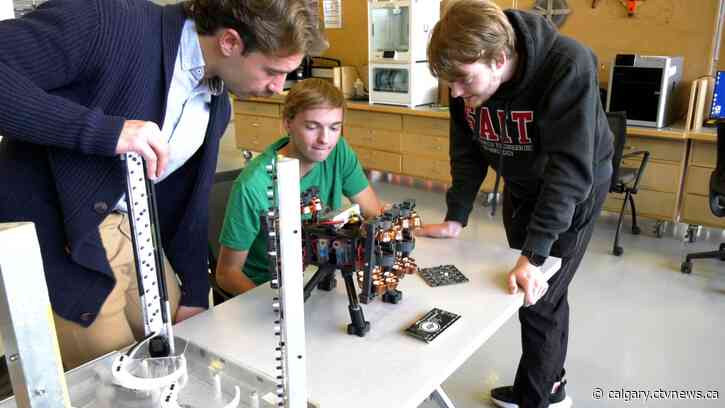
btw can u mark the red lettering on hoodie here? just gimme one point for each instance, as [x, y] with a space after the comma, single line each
[522, 118]
[487, 131]
[470, 115]
[502, 125]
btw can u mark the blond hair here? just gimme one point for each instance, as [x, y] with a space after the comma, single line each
[312, 93]
[272, 27]
[469, 31]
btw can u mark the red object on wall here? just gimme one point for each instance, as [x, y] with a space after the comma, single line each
[631, 7]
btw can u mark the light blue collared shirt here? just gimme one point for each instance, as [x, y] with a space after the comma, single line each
[187, 107]
[187, 104]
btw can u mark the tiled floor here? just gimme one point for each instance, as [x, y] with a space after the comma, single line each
[637, 323]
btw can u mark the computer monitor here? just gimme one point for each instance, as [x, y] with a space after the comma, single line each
[717, 110]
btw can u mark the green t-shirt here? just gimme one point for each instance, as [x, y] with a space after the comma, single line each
[340, 174]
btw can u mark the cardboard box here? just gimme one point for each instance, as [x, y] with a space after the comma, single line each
[701, 93]
[342, 77]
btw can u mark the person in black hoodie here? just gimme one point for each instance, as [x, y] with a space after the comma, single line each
[525, 101]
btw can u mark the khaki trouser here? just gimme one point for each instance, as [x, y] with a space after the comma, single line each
[120, 321]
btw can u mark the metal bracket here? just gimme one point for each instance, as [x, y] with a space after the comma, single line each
[441, 398]
[284, 242]
[148, 254]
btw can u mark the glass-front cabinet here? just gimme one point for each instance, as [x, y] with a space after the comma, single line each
[390, 32]
[391, 79]
[399, 31]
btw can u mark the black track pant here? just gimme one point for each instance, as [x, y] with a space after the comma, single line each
[545, 325]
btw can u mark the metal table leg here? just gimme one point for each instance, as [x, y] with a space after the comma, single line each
[441, 398]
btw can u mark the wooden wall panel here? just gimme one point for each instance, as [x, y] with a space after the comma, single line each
[660, 27]
[350, 43]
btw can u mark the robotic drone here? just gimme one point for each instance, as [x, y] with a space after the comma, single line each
[374, 252]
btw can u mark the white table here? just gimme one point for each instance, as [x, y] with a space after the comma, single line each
[386, 368]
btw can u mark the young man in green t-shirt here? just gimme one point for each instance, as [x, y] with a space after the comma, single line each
[312, 115]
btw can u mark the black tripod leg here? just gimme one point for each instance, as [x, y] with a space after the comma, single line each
[359, 326]
[319, 276]
[393, 296]
[329, 283]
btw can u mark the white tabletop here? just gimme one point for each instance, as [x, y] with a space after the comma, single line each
[386, 368]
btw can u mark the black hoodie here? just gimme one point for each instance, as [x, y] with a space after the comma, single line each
[557, 143]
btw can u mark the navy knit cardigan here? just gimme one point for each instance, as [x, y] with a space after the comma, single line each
[71, 72]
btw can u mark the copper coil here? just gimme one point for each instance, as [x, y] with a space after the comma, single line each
[386, 235]
[398, 269]
[378, 287]
[405, 266]
[416, 220]
[373, 277]
[391, 283]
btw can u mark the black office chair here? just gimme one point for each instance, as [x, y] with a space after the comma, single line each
[217, 205]
[625, 180]
[6, 387]
[717, 201]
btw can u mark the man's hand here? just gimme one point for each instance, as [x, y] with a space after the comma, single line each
[447, 229]
[185, 312]
[145, 139]
[530, 279]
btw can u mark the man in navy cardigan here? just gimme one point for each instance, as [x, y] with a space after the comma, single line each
[85, 81]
